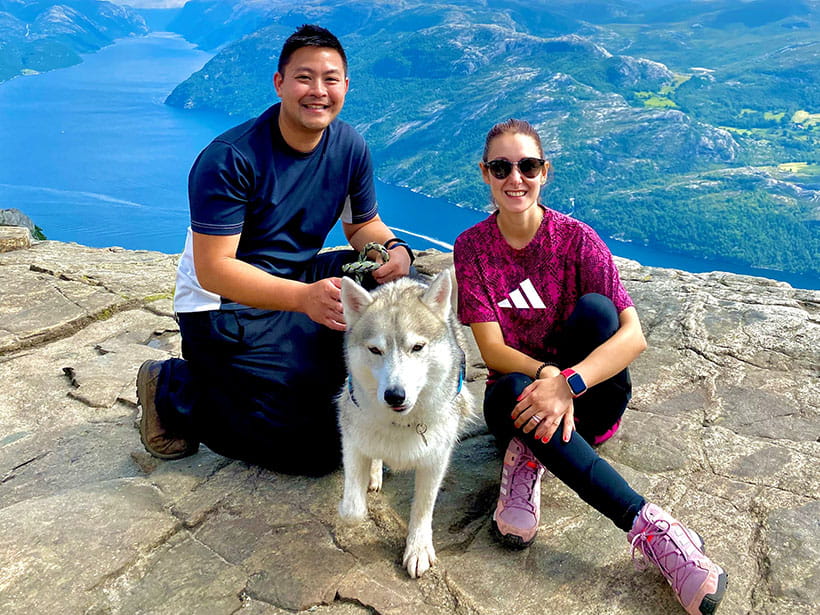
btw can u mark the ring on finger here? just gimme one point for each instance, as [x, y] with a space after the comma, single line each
[535, 418]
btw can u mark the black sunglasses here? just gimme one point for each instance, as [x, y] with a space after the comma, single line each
[528, 167]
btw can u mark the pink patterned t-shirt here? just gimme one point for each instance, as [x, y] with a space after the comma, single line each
[531, 291]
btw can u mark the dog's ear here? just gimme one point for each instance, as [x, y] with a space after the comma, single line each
[354, 300]
[438, 296]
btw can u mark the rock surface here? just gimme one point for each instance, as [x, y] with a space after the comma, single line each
[723, 431]
[15, 217]
[14, 238]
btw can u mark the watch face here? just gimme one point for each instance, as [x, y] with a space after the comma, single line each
[576, 384]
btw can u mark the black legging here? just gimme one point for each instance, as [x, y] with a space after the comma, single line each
[576, 463]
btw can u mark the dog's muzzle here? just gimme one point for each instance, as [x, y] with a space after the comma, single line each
[395, 397]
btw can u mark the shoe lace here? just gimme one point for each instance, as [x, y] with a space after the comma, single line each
[522, 483]
[672, 561]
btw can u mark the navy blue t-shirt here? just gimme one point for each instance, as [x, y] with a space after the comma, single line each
[283, 202]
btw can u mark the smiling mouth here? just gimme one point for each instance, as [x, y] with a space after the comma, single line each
[316, 107]
[515, 193]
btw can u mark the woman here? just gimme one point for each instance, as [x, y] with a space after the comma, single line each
[557, 330]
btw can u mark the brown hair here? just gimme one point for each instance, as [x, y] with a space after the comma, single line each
[512, 126]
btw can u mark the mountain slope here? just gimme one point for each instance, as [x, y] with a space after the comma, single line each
[39, 36]
[645, 150]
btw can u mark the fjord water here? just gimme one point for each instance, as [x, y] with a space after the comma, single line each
[92, 155]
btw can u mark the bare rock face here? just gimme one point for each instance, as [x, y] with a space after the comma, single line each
[723, 431]
[14, 238]
[15, 217]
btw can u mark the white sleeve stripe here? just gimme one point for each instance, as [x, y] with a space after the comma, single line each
[347, 213]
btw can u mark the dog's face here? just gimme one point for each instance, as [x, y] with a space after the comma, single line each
[394, 338]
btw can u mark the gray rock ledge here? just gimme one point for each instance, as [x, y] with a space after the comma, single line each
[723, 431]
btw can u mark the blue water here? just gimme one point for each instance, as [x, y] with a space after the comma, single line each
[93, 155]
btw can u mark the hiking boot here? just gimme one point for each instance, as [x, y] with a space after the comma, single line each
[155, 438]
[518, 511]
[677, 551]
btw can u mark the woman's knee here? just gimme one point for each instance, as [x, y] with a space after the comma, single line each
[596, 308]
[499, 400]
[503, 394]
[593, 321]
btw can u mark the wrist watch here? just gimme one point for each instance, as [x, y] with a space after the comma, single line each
[575, 381]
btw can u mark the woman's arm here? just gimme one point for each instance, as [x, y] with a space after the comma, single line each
[500, 357]
[549, 397]
[616, 353]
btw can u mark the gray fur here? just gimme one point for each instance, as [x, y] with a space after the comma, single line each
[404, 351]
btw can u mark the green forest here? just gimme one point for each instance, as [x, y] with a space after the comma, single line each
[692, 127]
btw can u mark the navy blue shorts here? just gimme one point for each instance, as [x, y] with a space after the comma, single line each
[260, 385]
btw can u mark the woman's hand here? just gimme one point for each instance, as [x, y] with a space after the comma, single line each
[543, 406]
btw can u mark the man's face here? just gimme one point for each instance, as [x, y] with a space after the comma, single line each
[312, 90]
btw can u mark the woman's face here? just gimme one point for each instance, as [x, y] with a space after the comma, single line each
[516, 193]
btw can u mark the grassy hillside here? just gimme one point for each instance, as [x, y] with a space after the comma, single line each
[673, 125]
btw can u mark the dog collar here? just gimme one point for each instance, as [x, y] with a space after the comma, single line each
[462, 372]
[421, 429]
[350, 390]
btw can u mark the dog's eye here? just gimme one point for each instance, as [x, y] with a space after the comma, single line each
[375, 350]
[418, 347]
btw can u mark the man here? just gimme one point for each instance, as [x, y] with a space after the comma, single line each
[259, 309]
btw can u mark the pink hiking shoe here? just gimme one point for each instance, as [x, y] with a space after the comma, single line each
[518, 511]
[677, 551]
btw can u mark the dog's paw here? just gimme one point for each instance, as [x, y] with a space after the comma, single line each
[351, 512]
[418, 558]
[375, 483]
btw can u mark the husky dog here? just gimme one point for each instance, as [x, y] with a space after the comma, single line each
[405, 399]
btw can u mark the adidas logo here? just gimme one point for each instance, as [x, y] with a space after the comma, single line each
[525, 297]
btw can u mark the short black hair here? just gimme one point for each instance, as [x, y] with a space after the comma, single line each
[309, 35]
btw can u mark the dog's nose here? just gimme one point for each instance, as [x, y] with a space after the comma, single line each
[394, 397]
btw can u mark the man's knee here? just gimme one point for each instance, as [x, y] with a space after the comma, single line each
[306, 453]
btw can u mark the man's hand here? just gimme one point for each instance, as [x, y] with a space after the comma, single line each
[398, 266]
[323, 303]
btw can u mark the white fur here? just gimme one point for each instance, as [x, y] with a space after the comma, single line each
[402, 343]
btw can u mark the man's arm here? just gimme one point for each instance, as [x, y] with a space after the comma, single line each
[374, 230]
[219, 271]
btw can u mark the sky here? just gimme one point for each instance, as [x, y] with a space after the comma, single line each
[151, 4]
